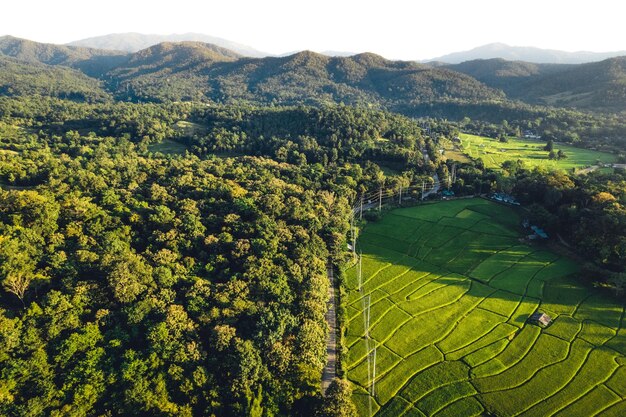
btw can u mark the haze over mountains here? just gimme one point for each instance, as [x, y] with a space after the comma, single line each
[525, 53]
[134, 42]
[200, 71]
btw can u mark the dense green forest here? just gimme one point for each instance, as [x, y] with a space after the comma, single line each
[136, 280]
[18, 78]
[142, 283]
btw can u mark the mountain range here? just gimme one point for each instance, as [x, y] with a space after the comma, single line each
[527, 54]
[134, 42]
[304, 77]
[599, 86]
[200, 71]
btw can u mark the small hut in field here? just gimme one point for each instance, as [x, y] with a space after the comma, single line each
[540, 319]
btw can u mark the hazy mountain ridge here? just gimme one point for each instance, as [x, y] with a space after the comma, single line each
[527, 54]
[134, 42]
[91, 61]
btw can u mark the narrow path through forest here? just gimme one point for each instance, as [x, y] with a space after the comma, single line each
[330, 370]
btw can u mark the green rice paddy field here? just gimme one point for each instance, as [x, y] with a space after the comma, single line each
[494, 153]
[451, 288]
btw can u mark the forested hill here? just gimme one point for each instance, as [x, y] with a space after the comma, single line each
[512, 77]
[304, 77]
[597, 85]
[593, 86]
[18, 78]
[93, 62]
[196, 71]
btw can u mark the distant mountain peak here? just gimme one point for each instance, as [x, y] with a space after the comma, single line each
[525, 53]
[134, 42]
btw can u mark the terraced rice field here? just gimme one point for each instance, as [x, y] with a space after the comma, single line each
[450, 288]
[494, 153]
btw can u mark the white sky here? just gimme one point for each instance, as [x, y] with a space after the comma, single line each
[398, 29]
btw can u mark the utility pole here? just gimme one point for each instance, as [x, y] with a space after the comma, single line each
[353, 239]
[367, 322]
[360, 271]
[353, 234]
[380, 198]
[361, 215]
[423, 186]
[400, 197]
[373, 389]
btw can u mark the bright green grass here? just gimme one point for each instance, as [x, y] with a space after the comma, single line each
[502, 330]
[467, 407]
[598, 399]
[601, 310]
[618, 343]
[451, 290]
[564, 327]
[616, 410]
[502, 302]
[599, 366]
[618, 382]
[401, 288]
[437, 376]
[413, 412]
[386, 277]
[494, 153]
[441, 397]
[484, 354]
[499, 262]
[595, 333]
[521, 344]
[361, 399]
[545, 384]
[524, 310]
[419, 332]
[395, 408]
[546, 351]
[397, 377]
[470, 328]
[168, 147]
[385, 360]
[517, 278]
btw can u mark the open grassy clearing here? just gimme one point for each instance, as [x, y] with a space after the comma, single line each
[449, 309]
[168, 147]
[494, 153]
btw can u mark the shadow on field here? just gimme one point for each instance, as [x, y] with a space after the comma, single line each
[513, 280]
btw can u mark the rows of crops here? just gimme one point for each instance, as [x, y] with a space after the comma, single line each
[450, 287]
